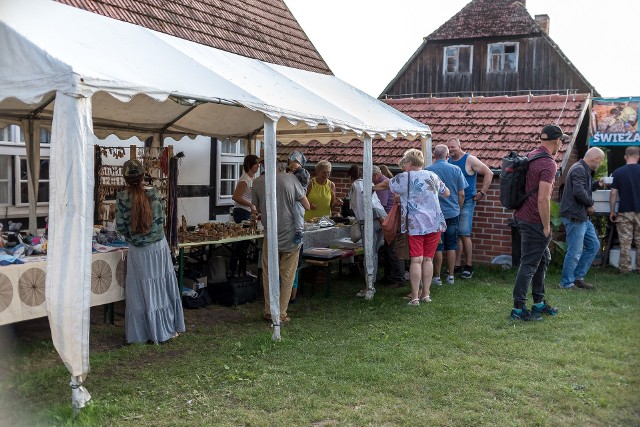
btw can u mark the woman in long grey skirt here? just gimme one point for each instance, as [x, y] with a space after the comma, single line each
[153, 305]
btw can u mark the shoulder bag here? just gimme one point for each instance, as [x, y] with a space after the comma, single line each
[401, 243]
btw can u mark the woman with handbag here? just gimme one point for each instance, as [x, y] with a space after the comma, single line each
[421, 218]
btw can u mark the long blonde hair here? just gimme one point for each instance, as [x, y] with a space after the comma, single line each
[141, 213]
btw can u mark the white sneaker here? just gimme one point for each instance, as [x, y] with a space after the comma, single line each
[361, 293]
[451, 280]
[436, 281]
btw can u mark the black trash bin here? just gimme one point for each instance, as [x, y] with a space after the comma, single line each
[515, 243]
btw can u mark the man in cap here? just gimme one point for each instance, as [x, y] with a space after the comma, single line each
[288, 193]
[297, 160]
[575, 208]
[533, 220]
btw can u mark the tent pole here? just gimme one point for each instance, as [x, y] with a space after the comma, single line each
[272, 224]
[367, 185]
[32, 143]
[427, 150]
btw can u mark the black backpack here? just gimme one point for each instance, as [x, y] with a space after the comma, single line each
[513, 179]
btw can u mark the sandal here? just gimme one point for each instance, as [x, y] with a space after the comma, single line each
[426, 299]
[414, 302]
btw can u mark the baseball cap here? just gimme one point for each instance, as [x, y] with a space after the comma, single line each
[375, 169]
[551, 132]
[132, 168]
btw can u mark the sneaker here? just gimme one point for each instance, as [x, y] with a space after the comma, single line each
[361, 294]
[457, 269]
[451, 280]
[544, 309]
[571, 287]
[525, 315]
[436, 281]
[582, 284]
[467, 273]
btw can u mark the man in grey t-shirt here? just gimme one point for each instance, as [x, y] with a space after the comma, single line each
[288, 192]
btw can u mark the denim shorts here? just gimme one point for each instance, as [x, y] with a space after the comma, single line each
[466, 217]
[449, 238]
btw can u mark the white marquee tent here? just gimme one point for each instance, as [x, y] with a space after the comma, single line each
[86, 75]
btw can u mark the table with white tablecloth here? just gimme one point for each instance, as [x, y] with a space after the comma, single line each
[22, 286]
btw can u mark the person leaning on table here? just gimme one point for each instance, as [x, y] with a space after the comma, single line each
[153, 311]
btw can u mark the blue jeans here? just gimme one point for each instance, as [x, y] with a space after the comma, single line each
[466, 217]
[449, 240]
[534, 261]
[582, 247]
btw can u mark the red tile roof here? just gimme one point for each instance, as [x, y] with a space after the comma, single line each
[260, 29]
[384, 152]
[488, 18]
[488, 128]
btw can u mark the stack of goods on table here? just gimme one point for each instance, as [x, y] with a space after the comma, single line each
[214, 231]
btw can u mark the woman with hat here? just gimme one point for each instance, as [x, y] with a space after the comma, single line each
[154, 307]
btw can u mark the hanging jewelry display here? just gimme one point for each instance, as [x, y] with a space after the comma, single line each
[109, 180]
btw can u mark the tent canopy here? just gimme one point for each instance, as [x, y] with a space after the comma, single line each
[88, 75]
[170, 85]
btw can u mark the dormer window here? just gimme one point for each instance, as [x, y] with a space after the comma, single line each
[502, 57]
[458, 59]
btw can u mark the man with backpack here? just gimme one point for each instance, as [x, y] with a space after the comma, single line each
[533, 220]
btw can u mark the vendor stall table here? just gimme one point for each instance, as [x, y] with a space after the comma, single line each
[22, 286]
[224, 242]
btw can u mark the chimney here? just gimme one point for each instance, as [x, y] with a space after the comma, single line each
[543, 21]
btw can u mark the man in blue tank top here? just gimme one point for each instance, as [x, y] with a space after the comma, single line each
[471, 167]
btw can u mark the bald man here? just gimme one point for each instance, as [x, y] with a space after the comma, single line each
[471, 167]
[575, 208]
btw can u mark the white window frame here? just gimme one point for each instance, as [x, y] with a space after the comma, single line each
[18, 182]
[502, 57]
[236, 158]
[445, 62]
[6, 178]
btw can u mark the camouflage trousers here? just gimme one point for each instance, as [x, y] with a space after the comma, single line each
[628, 226]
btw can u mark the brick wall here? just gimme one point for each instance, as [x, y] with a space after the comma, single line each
[491, 229]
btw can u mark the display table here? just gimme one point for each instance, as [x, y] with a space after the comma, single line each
[224, 242]
[22, 286]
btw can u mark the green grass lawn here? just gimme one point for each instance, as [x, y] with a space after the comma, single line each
[458, 361]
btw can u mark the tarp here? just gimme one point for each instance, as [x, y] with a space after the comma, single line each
[91, 75]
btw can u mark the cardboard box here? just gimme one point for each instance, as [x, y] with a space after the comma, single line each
[197, 284]
[614, 258]
[601, 201]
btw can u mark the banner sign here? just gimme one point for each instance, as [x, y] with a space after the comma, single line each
[614, 122]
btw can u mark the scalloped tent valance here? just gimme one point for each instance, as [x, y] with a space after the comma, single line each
[143, 82]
